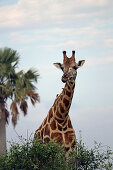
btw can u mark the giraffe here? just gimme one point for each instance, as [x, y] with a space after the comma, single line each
[57, 125]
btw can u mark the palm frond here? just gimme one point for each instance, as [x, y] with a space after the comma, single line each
[33, 96]
[32, 75]
[15, 112]
[24, 107]
[5, 91]
[8, 62]
[7, 55]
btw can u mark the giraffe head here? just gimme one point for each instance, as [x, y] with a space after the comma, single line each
[69, 67]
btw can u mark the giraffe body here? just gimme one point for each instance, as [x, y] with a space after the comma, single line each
[57, 125]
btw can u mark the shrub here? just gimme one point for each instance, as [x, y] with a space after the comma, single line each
[34, 155]
[99, 157]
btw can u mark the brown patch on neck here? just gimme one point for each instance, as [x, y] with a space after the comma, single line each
[57, 137]
[66, 102]
[69, 137]
[68, 93]
[69, 124]
[47, 130]
[61, 108]
[53, 125]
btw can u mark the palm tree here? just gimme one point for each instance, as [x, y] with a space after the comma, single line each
[16, 86]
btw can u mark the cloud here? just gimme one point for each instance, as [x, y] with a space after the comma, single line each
[38, 14]
[109, 43]
[68, 38]
[25, 37]
[99, 61]
[70, 43]
[21, 38]
[58, 24]
[57, 38]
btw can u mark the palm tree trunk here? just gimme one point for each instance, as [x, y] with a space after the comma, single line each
[2, 134]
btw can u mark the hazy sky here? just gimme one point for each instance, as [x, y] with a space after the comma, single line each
[40, 31]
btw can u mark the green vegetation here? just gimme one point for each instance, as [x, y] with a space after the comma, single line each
[36, 155]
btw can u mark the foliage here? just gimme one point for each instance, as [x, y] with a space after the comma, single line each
[33, 154]
[99, 157]
[17, 86]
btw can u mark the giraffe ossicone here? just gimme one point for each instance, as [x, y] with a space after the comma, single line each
[57, 125]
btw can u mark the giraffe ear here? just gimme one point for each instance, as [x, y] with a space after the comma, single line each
[58, 65]
[80, 63]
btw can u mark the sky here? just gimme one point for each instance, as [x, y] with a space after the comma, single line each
[40, 31]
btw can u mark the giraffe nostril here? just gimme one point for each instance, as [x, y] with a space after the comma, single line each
[65, 75]
[63, 81]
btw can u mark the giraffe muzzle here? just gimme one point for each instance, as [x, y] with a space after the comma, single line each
[64, 78]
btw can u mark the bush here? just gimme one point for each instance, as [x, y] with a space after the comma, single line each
[99, 157]
[34, 155]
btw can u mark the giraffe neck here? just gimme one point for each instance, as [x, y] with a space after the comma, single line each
[63, 102]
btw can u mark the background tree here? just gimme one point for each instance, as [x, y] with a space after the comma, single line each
[16, 86]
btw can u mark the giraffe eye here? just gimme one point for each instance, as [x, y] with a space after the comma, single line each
[75, 68]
